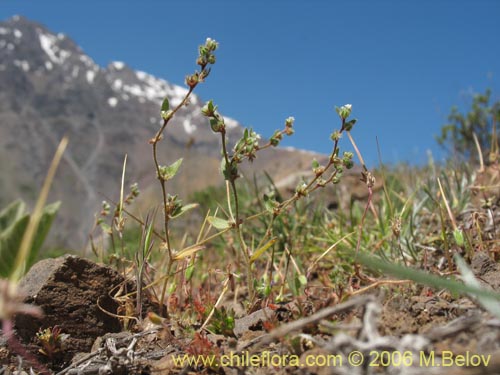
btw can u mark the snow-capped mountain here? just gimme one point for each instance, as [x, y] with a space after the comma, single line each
[49, 87]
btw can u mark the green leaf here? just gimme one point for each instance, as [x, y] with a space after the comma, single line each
[185, 209]
[106, 228]
[229, 170]
[458, 235]
[11, 214]
[10, 240]
[424, 278]
[315, 164]
[189, 272]
[11, 237]
[350, 124]
[170, 171]
[48, 216]
[218, 223]
[269, 203]
[215, 125]
[165, 106]
[148, 236]
[303, 280]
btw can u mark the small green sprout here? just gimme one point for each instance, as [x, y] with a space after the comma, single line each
[51, 340]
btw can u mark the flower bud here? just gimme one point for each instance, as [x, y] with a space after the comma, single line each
[211, 44]
[344, 111]
[335, 136]
[165, 115]
[201, 60]
[209, 109]
[192, 80]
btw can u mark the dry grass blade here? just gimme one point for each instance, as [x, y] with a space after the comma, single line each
[188, 251]
[315, 262]
[120, 214]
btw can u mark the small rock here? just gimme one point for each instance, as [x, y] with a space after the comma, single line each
[252, 322]
[486, 269]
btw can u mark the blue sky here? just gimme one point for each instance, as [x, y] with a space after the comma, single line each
[402, 65]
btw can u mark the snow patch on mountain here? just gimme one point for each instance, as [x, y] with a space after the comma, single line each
[295, 150]
[23, 64]
[112, 102]
[118, 65]
[148, 88]
[90, 76]
[189, 128]
[230, 123]
[117, 84]
[48, 44]
[89, 63]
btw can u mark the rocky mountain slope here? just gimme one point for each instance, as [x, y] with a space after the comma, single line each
[49, 87]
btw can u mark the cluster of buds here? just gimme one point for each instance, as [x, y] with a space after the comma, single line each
[105, 209]
[271, 204]
[347, 159]
[289, 125]
[278, 134]
[205, 57]
[344, 112]
[216, 120]
[301, 189]
[134, 193]
[173, 206]
[206, 53]
[247, 146]
[335, 136]
[318, 169]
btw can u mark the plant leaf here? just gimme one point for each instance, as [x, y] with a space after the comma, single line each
[261, 250]
[165, 106]
[424, 278]
[269, 203]
[187, 252]
[48, 216]
[11, 214]
[10, 240]
[185, 209]
[218, 223]
[172, 169]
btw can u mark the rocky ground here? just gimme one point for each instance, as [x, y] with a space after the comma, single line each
[407, 330]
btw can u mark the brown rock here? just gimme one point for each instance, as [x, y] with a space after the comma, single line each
[68, 289]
